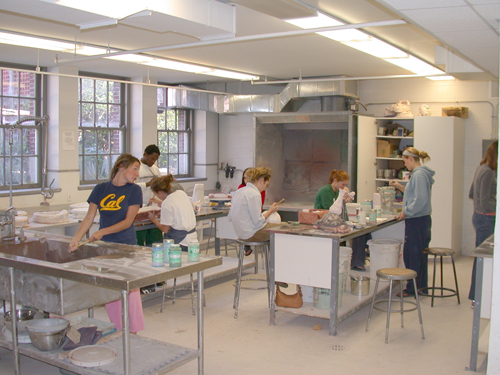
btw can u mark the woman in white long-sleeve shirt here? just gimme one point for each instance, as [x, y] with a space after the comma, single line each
[248, 221]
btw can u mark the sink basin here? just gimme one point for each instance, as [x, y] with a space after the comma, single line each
[55, 251]
[52, 293]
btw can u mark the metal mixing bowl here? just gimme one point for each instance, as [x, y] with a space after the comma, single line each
[23, 315]
[47, 334]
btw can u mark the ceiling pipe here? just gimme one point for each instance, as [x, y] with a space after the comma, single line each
[281, 82]
[239, 39]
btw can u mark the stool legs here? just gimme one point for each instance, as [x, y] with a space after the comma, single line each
[174, 291]
[236, 302]
[455, 275]
[418, 308]
[389, 301]
[442, 288]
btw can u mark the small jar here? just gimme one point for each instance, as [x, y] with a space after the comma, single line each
[372, 216]
[157, 254]
[175, 256]
[167, 242]
[193, 251]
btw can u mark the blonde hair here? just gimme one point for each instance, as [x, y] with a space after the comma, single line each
[338, 175]
[125, 161]
[163, 183]
[419, 155]
[255, 174]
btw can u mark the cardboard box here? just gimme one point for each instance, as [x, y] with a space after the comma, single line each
[311, 216]
[384, 148]
[462, 112]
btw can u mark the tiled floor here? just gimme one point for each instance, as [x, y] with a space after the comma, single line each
[250, 345]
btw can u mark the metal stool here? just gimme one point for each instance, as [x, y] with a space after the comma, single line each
[264, 246]
[440, 252]
[174, 291]
[395, 274]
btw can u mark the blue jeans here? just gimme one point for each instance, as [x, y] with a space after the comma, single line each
[484, 226]
[417, 238]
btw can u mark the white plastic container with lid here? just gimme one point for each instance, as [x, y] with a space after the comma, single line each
[384, 253]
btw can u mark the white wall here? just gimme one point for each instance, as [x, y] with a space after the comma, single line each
[481, 124]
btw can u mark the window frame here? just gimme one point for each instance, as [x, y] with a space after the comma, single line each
[189, 131]
[122, 127]
[40, 82]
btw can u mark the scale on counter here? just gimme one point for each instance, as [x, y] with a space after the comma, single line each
[220, 203]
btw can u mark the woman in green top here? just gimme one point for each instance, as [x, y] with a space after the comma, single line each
[324, 199]
[328, 193]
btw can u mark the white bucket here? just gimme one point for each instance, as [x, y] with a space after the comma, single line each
[321, 296]
[345, 255]
[384, 253]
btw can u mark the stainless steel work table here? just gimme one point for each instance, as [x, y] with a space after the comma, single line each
[307, 237]
[485, 250]
[130, 271]
[205, 213]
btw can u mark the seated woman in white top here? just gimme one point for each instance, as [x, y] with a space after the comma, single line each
[177, 220]
[248, 221]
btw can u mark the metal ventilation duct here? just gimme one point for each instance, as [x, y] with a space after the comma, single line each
[289, 100]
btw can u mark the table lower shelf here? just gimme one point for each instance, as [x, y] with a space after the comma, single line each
[350, 304]
[148, 356]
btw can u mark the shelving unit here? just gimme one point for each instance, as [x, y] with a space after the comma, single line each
[443, 138]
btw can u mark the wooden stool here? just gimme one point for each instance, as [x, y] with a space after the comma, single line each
[264, 247]
[396, 274]
[440, 252]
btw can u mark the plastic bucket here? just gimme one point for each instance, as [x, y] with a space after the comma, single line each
[321, 296]
[384, 253]
[345, 255]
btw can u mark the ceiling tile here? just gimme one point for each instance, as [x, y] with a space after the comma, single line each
[490, 12]
[422, 4]
[482, 54]
[439, 19]
[478, 2]
[469, 39]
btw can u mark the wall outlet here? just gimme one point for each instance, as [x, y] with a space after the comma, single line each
[69, 197]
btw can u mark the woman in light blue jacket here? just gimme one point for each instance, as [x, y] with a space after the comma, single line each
[417, 214]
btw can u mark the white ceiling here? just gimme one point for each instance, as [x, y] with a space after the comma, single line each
[468, 28]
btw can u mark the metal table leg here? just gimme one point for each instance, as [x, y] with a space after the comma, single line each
[272, 302]
[201, 286]
[13, 313]
[476, 321]
[126, 333]
[217, 241]
[334, 287]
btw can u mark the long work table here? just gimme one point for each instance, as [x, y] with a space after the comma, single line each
[301, 254]
[128, 268]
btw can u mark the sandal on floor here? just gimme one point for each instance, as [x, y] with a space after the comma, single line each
[358, 268]
[248, 252]
[405, 294]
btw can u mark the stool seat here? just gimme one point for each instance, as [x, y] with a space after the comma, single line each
[440, 251]
[254, 243]
[396, 274]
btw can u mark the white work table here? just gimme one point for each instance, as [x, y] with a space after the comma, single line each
[301, 254]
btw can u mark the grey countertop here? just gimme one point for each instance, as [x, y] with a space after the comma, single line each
[485, 250]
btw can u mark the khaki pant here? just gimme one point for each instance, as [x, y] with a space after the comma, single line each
[261, 235]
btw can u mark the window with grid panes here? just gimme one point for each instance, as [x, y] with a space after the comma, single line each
[20, 148]
[101, 135]
[174, 137]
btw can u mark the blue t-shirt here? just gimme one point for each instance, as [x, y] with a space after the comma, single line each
[113, 203]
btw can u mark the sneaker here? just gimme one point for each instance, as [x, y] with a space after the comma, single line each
[472, 304]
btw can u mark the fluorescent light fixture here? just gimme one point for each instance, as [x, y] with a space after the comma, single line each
[377, 48]
[86, 50]
[320, 20]
[415, 65]
[366, 43]
[348, 35]
[32, 42]
[441, 78]
[232, 75]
